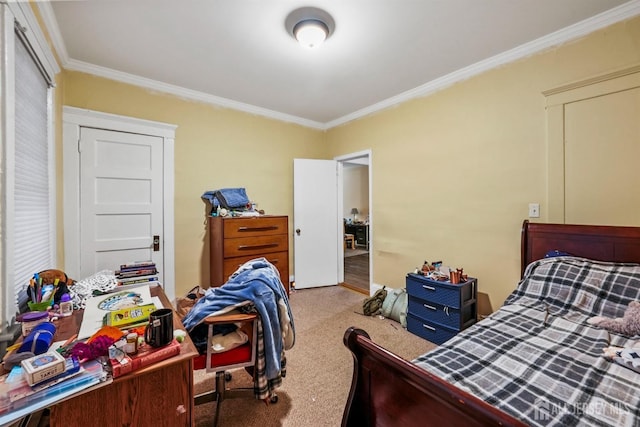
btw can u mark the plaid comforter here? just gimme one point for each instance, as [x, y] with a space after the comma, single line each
[538, 359]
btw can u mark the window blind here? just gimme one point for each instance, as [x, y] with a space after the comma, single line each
[32, 246]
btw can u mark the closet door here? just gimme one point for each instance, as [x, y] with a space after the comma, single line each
[593, 131]
[601, 159]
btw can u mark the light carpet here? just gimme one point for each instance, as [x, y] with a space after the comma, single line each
[319, 366]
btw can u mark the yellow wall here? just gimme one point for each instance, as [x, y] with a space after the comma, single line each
[214, 148]
[453, 173]
[355, 192]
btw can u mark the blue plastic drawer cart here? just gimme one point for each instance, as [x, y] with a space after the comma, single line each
[437, 310]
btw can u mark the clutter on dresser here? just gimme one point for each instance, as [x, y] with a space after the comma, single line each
[230, 202]
[437, 271]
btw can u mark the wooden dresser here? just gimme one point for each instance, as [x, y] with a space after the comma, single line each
[234, 241]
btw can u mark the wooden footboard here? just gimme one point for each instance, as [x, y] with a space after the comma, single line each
[387, 390]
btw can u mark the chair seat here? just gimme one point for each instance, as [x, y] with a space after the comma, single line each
[349, 241]
[240, 354]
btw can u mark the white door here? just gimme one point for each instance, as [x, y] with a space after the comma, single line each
[315, 222]
[120, 199]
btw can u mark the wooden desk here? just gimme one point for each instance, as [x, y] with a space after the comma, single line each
[158, 395]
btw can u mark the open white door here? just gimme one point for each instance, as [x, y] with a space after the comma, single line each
[315, 222]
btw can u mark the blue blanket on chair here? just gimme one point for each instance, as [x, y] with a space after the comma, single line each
[258, 282]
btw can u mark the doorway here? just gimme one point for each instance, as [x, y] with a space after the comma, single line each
[90, 135]
[355, 212]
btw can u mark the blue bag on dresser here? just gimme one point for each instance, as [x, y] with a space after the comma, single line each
[39, 339]
[231, 198]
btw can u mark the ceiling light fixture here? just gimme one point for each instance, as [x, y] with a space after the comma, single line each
[310, 26]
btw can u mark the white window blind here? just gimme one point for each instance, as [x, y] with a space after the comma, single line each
[33, 228]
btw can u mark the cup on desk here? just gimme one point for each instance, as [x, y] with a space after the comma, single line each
[159, 331]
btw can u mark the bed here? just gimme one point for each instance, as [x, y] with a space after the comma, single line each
[535, 361]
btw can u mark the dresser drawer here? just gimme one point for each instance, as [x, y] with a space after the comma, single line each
[433, 332]
[255, 226]
[280, 260]
[236, 240]
[257, 245]
[443, 293]
[434, 312]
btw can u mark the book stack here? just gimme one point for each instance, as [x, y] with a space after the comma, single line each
[137, 273]
[146, 356]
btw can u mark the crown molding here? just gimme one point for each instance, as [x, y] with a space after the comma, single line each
[620, 13]
[50, 22]
[193, 95]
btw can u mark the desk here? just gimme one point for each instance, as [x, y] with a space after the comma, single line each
[158, 395]
[361, 232]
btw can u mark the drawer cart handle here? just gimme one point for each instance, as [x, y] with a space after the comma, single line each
[429, 327]
[429, 288]
[430, 307]
[265, 228]
[248, 247]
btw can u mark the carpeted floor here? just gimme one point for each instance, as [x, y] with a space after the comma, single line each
[319, 366]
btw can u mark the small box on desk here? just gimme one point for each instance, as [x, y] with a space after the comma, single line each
[43, 367]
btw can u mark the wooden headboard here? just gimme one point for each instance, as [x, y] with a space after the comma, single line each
[598, 242]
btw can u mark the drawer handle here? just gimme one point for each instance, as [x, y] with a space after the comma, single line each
[430, 307]
[429, 288]
[249, 247]
[265, 228]
[428, 327]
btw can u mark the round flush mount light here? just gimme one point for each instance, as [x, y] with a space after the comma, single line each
[310, 26]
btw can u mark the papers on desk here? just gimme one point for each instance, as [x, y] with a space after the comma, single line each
[91, 374]
[97, 306]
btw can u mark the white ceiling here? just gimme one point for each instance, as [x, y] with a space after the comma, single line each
[238, 54]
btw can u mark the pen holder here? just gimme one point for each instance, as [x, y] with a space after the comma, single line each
[40, 306]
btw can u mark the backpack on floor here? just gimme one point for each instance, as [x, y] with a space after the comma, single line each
[372, 305]
[395, 306]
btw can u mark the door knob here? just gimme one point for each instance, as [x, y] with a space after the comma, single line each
[298, 231]
[156, 243]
